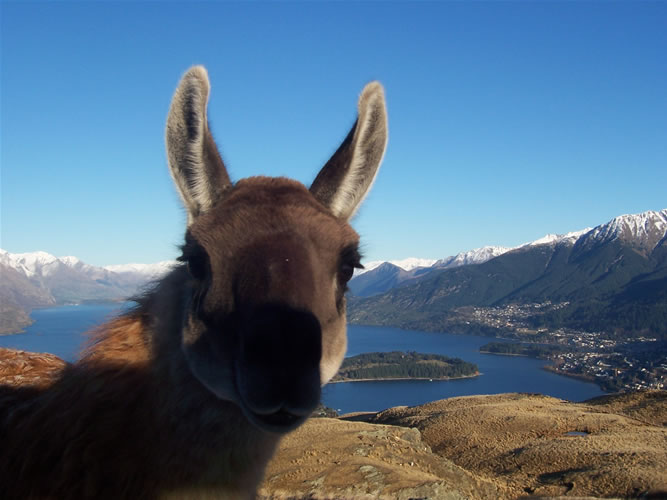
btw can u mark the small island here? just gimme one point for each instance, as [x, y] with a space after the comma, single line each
[398, 365]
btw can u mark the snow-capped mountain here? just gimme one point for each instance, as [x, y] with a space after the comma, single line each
[644, 231]
[552, 239]
[40, 263]
[406, 264]
[475, 256]
[610, 278]
[69, 279]
[30, 264]
[38, 279]
[380, 276]
[149, 270]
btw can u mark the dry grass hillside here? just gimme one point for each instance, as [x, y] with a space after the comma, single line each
[501, 446]
[335, 459]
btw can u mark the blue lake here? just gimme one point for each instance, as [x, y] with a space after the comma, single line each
[60, 330]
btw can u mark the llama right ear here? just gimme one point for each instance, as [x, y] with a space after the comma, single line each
[347, 177]
[194, 161]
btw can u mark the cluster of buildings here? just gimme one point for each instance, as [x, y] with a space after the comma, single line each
[616, 371]
[614, 364]
[511, 318]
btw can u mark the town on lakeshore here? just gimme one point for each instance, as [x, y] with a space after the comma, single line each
[615, 363]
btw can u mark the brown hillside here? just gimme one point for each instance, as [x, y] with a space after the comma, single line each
[522, 441]
[334, 459]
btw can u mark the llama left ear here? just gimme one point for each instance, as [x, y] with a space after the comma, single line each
[347, 177]
[194, 161]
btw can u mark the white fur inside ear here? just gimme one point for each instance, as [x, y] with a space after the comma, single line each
[369, 146]
[198, 182]
[187, 131]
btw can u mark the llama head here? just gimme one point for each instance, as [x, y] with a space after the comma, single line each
[268, 262]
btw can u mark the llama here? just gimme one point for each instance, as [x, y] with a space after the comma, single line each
[188, 394]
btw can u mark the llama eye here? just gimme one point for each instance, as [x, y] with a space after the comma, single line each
[346, 271]
[349, 261]
[197, 266]
[196, 259]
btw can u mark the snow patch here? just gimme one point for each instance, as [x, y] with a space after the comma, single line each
[406, 264]
[647, 229]
[156, 269]
[550, 239]
[35, 264]
[32, 263]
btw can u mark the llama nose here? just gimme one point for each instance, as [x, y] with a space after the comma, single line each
[280, 350]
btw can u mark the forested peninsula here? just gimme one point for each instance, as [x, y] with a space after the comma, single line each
[403, 365]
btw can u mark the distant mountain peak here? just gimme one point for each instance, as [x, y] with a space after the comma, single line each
[406, 264]
[551, 239]
[474, 256]
[30, 263]
[70, 260]
[644, 230]
[69, 279]
[154, 269]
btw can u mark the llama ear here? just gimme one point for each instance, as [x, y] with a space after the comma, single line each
[194, 161]
[344, 181]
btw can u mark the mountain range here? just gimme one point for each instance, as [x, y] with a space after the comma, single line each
[39, 279]
[612, 277]
[380, 276]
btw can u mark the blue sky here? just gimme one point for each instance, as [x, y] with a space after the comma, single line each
[508, 120]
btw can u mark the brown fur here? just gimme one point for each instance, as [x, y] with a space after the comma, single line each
[114, 426]
[189, 393]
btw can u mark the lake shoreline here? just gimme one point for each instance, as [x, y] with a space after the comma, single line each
[583, 378]
[507, 354]
[551, 368]
[388, 379]
[61, 331]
